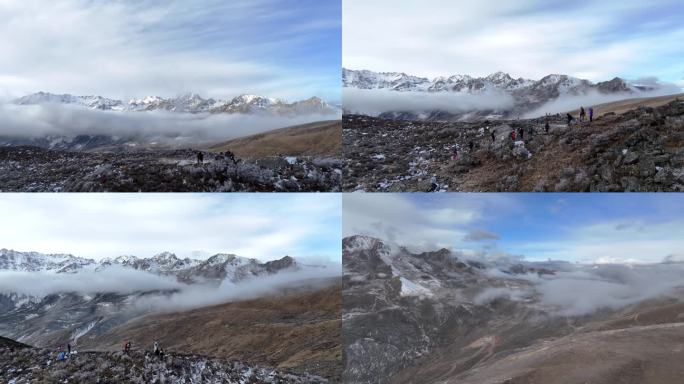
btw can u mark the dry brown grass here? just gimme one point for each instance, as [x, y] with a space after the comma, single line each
[622, 106]
[300, 331]
[322, 138]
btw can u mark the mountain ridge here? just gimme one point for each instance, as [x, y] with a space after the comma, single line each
[498, 95]
[186, 103]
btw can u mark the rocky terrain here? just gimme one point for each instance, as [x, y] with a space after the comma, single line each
[638, 150]
[34, 169]
[447, 318]
[36, 365]
[521, 96]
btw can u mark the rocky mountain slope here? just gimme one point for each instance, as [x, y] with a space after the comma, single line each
[33, 169]
[298, 330]
[68, 310]
[447, 318]
[526, 94]
[187, 103]
[35, 365]
[638, 150]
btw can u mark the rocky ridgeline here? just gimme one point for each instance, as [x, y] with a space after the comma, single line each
[640, 150]
[33, 365]
[32, 169]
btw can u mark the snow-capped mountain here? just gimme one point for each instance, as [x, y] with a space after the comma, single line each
[407, 313]
[216, 268]
[39, 262]
[188, 103]
[93, 102]
[526, 94]
[364, 79]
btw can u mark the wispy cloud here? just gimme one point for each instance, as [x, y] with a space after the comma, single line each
[122, 49]
[421, 223]
[265, 227]
[527, 38]
[598, 228]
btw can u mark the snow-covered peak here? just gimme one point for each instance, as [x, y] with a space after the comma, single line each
[186, 103]
[34, 261]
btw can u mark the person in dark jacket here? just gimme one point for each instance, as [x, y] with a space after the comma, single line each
[546, 126]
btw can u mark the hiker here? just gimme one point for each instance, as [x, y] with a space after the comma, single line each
[161, 353]
[454, 154]
[433, 184]
[127, 347]
[471, 145]
[521, 132]
[200, 158]
[513, 135]
[591, 114]
[69, 348]
[493, 137]
[156, 348]
[569, 119]
[546, 126]
[583, 113]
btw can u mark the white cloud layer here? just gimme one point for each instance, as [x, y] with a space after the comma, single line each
[174, 129]
[161, 293]
[581, 290]
[376, 101]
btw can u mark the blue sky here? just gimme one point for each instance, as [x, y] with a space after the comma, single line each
[263, 226]
[575, 227]
[278, 48]
[529, 38]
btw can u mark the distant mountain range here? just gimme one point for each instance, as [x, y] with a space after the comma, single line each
[186, 270]
[188, 103]
[66, 314]
[527, 94]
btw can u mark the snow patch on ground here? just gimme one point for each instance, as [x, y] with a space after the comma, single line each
[409, 288]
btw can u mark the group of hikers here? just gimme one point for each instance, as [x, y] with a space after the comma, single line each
[227, 155]
[582, 115]
[514, 135]
[61, 353]
[156, 349]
